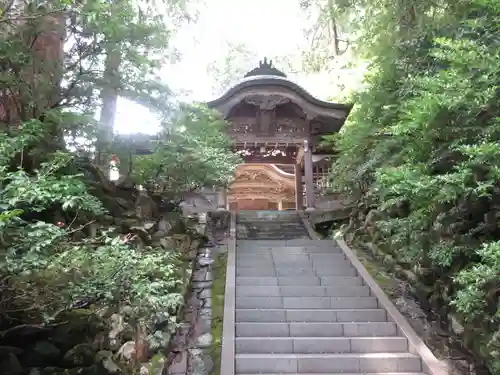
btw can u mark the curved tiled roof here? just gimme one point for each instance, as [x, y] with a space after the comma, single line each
[256, 81]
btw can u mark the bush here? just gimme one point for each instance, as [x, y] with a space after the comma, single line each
[422, 148]
[48, 266]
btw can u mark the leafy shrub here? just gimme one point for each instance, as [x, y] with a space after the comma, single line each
[422, 148]
[47, 269]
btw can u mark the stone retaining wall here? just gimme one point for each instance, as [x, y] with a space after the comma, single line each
[191, 347]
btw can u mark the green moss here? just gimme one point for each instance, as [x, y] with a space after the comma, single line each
[384, 279]
[218, 290]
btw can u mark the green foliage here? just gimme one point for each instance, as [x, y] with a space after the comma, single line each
[218, 294]
[118, 274]
[45, 188]
[421, 147]
[51, 269]
[52, 257]
[238, 61]
[111, 48]
[194, 152]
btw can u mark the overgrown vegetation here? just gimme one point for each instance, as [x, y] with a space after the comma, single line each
[70, 240]
[218, 293]
[420, 153]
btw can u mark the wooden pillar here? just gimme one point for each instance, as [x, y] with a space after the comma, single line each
[308, 172]
[299, 201]
[222, 199]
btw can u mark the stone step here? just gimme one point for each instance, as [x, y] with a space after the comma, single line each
[287, 263]
[310, 345]
[303, 291]
[278, 236]
[350, 373]
[310, 315]
[301, 308]
[306, 303]
[266, 225]
[346, 270]
[262, 234]
[327, 363]
[293, 252]
[280, 262]
[326, 244]
[317, 329]
[267, 228]
[282, 244]
[288, 215]
[248, 249]
[269, 215]
[273, 220]
[291, 258]
[299, 281]
[264, 253]
[278, 257]
[274, 231]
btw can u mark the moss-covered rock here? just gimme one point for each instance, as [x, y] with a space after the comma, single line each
[21, 334]
[80, 355]
[10, 365]
[75, 327]
[6, 351]
[107, 364]
[41, 353]
[89, 370]
[155, 366]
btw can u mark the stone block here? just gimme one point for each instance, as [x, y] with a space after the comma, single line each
[353, 303]
[262, 329]
[367, 329]
[260, 315]
[306, 302]
[265, 364]
[362, 315]
[316, 329]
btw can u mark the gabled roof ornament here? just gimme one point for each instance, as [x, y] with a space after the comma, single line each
[265, 68]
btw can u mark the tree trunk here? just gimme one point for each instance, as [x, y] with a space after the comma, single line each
[109, 97]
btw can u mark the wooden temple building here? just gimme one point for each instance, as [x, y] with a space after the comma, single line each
[277, 126]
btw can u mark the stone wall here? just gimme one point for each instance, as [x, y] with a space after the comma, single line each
[191, 352]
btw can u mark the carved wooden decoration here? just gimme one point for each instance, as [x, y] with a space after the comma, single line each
[266, 102]
[243, 126]
[262, 182]
[289, 127]
[258, 177]
[260, 192]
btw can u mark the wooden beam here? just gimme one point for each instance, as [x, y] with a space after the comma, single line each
[278, 159]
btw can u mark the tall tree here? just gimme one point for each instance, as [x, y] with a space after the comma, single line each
[102, 38]
[49, 195]
[238, 60]
[332, 39]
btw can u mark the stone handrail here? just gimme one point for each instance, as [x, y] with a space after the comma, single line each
[227, 366]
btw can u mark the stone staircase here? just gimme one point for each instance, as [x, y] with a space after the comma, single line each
[270, 225]
[302, 308]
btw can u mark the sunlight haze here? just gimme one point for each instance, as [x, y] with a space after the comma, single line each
[270, 27]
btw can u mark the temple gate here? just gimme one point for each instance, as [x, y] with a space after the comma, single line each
[276, 126]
